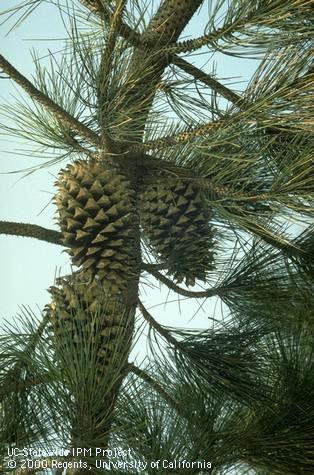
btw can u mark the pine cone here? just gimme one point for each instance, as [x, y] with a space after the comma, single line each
[175, 219]
[81, 313]
[96, 207]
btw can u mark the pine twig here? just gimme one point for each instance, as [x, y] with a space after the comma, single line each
[160, 329]
[181, 137]
[215, 291]
[115, 25]
[38, 96]
[9, 383]
[95, 6]
[156, 386]
[207, 80]
[170, 19]
[106, 60]
[188, 46]
[98, 8]
[154, 266]
[10, 386]
[135, 40]
[31, 230]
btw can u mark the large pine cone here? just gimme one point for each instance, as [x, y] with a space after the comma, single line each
[81, 313]
[96, 217]
[91, 336]
[175, 219]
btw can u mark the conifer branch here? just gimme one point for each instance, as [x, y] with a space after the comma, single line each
[164, 27]
[75, 144]
[215, 291]
[258, 15]
[97, 7]
[159, 328]
[170, 19]
[31, 230]
[188, 46]
[154, 384]
[48, 103]
[154, 266]
[134, 39]
[208, 80]
[175, 139]
[115, 25]
[104, 70]
[11, 383]
[281, 243]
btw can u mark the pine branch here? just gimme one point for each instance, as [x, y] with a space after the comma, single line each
[105, 65]
[115, 25]
[147, 64]
[155, 385]
[154, 266]
[206, 79]
[97, 7]
[175, 139]
[137, 40]
[10, 383]
[134, 39]
[230, 95]
[257, 15]
[215, 291]
[170, 19]
[31, 230]
[48, 103]
[188, 46]
[77, 146]
[276, 240]
[160, 329]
